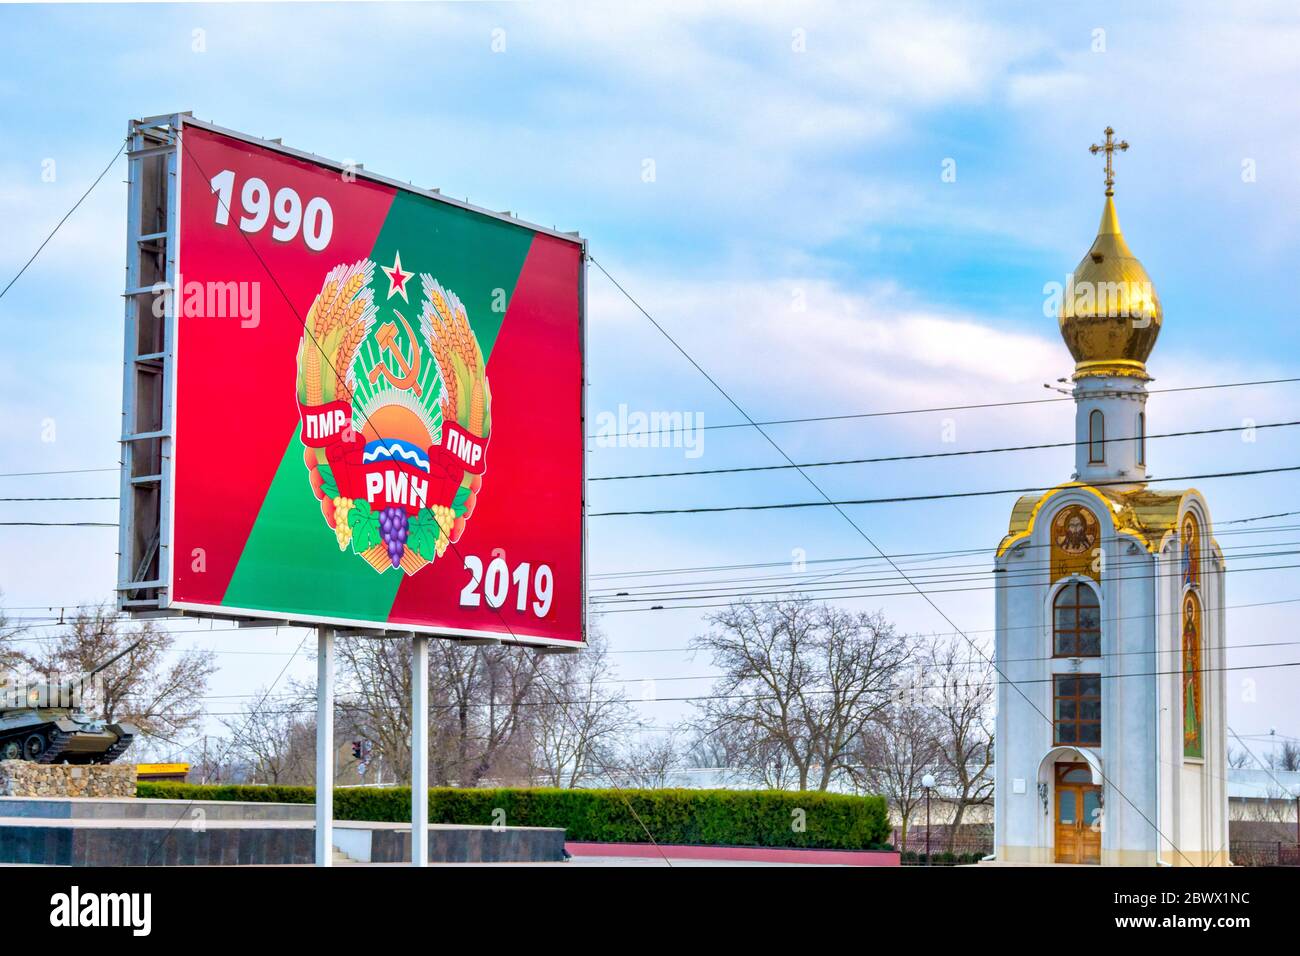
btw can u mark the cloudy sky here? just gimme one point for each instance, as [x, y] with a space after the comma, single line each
[768, 182]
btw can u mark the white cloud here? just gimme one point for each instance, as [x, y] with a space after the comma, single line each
[822, 343]
[1028, 89]
[33, 208]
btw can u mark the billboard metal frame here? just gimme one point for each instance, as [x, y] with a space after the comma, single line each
[147, 506]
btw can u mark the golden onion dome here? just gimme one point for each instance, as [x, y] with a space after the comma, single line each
[1110, 315]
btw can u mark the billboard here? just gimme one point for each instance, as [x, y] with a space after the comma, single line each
[370, 399]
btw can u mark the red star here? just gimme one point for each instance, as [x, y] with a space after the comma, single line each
[397, 278]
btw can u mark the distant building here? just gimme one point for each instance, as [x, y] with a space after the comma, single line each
[1263, 795]
[158, 772]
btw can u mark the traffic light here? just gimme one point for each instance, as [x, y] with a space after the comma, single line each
[356, 750]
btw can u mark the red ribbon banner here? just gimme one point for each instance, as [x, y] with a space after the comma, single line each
[387, 483]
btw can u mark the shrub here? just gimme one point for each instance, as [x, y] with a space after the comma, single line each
[702, 817]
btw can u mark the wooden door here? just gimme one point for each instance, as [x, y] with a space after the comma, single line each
[1078, 815]
[1067, 824]
[1090, 825]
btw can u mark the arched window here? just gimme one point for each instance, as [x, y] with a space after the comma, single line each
[1096, 437]
[1142, 438]
[1076, 622]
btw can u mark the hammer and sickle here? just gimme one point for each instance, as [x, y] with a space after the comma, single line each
[387, 339]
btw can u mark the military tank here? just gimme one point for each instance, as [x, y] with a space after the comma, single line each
[45, 723]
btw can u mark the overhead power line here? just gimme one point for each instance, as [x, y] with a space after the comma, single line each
[64, 471]
[788, 505]
[648, 572]
[913, 411]
[695, 650]
[346, 703]
[1278, 514]
[899, 499]
[912, 666]
[927, 455]
[847, 461]
[58, 524]
[1116, 570]
[637, 594]
[846, 591]
[66, 216]
[741, 469]
[652, 650]
[289, 697]
[67, 498]
[983, 567]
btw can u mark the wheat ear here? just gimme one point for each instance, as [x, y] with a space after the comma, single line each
[325, 305]
[344, 357]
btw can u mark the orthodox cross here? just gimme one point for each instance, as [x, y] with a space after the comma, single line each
[1109, 148]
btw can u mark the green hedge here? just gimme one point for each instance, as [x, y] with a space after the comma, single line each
[702, 817]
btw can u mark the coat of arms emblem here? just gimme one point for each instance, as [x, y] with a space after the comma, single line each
[395, 416]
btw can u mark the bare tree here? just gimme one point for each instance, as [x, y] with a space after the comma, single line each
[802, 682]
[213, 760]
[581, 715]
[1287, 757]
[479, 706]
[1238, 758]
[274, 741]
[158, 695]
[749, 762]
[650, 763]
[760, 756]
[894, 754]
[706, 750]
[374, 681]
[11, 658]
[479, 700]
[960, 699]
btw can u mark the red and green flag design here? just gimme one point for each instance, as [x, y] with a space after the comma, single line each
[377, 407]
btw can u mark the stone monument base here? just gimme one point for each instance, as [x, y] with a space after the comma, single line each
[22, 778]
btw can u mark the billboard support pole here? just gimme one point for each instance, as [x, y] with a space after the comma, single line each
[420, 750]
[324, 746]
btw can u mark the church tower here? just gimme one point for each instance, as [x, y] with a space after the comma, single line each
[1111, 705]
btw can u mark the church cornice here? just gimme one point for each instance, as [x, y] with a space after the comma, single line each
[1148, 515]
[1141, 514]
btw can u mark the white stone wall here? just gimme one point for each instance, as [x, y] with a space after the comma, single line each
[1148, 788]
[1024, 653]
[1120, 400]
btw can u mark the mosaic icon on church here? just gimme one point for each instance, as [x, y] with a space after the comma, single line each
[1075, 536]
[1193, 699]
[1075, 530]
[1191, 551]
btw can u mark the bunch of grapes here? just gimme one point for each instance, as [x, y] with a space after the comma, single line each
[445, 518]
[342, 530]
[394, 526]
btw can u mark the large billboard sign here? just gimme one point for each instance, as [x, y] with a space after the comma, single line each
[369, 399]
